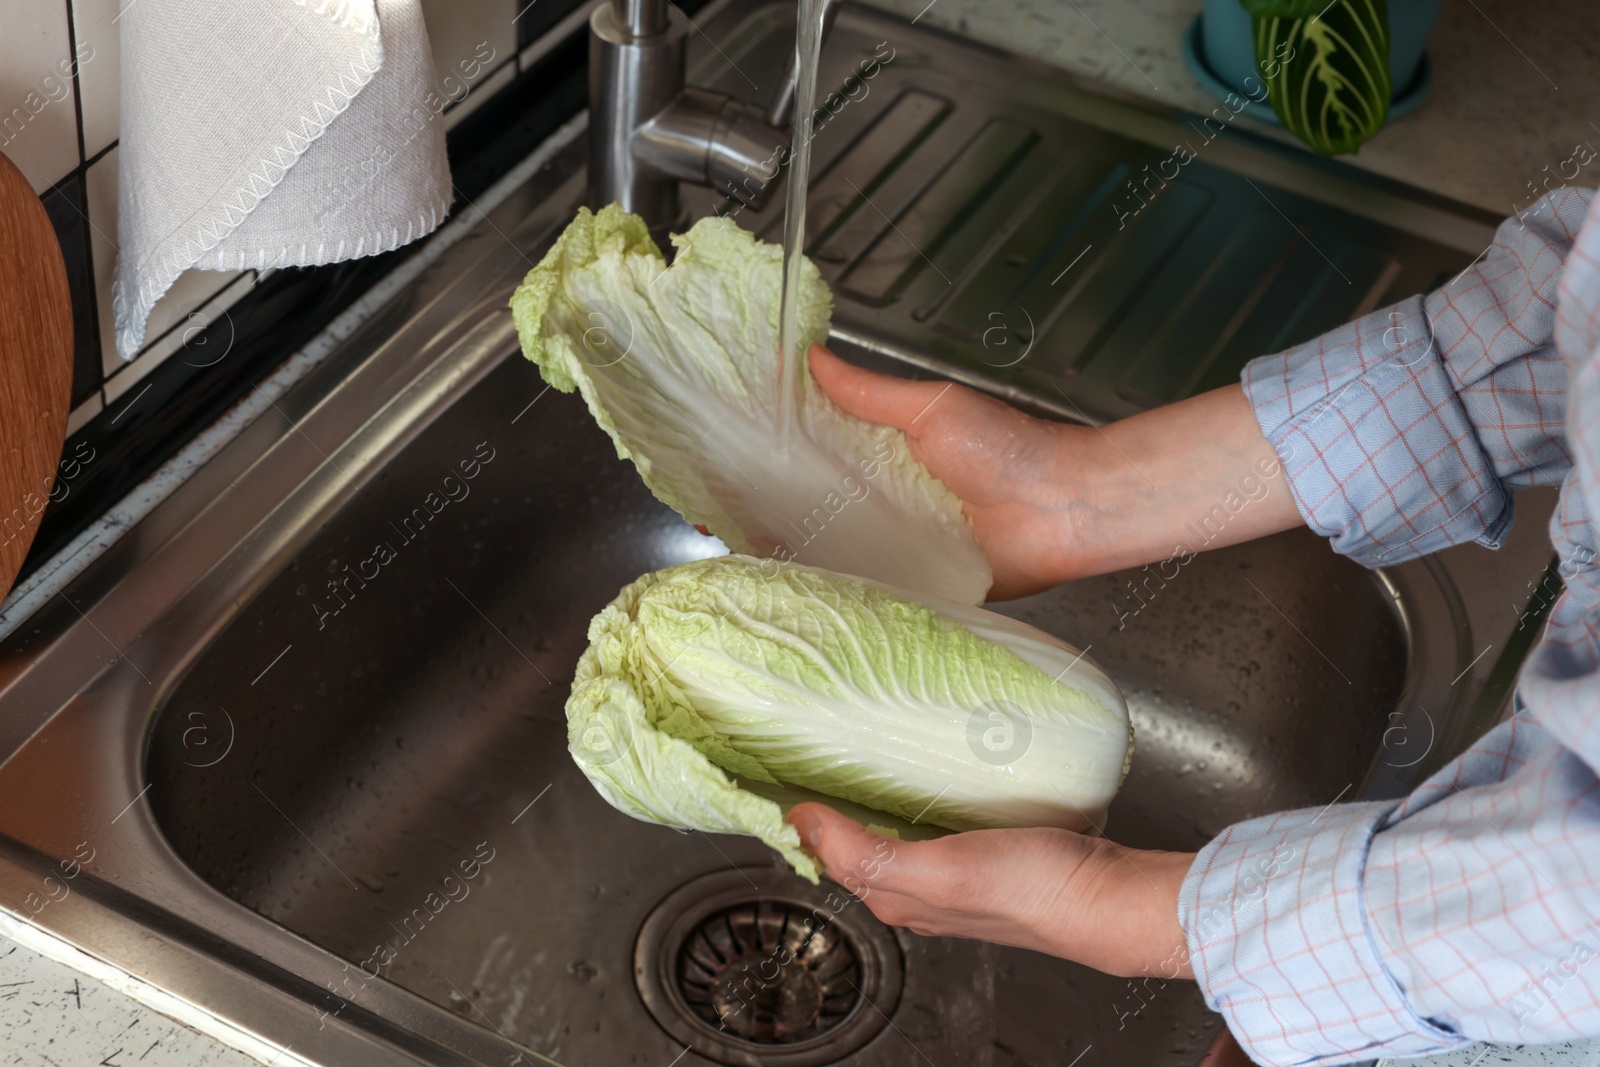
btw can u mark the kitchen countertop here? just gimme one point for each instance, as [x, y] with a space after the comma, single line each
[55, 1016]
[1567, 1054]
[1512, 93]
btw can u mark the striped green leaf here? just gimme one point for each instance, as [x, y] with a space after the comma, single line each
[1327, 76]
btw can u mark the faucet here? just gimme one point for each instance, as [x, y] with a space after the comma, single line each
[648, 130]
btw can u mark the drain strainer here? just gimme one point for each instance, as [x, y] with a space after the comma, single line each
[764, 972]
[755, 968]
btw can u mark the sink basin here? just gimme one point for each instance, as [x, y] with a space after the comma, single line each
[415, 722]
[307, 716]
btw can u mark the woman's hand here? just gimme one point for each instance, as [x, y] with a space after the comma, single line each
[1053, 501]
[1012, 472]
[1054, 891]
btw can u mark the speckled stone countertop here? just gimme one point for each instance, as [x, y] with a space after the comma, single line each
[1516, 86]
[1574, 1054]
[54, 1016]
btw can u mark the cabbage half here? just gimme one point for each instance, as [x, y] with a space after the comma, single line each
[679, 365]
[715, 694]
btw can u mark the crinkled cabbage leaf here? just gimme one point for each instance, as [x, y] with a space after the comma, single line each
[715, 694]
[679, 365]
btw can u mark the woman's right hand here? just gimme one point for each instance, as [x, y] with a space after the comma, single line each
[1053, 501]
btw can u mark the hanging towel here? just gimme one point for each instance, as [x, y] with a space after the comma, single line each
[274, 133]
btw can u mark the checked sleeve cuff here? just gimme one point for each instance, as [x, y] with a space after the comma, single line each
[1273, 911]
[1377, 448]
[1408, 430]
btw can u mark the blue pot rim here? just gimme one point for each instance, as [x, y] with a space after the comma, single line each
[1400, 105]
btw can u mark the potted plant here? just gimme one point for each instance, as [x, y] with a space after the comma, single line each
[1332, 73]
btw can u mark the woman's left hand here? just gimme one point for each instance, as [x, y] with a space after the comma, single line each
[1081, 898]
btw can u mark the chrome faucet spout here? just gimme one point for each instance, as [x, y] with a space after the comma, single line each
[648, 130]
[640, 18]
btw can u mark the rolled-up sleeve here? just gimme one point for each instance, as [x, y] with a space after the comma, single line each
[1275, 914]
[1467, 912]
[1409, 429]
[1470, 910]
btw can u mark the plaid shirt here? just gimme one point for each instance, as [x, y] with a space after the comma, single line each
[1471, 909]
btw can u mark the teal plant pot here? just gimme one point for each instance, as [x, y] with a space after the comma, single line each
[1219, 49]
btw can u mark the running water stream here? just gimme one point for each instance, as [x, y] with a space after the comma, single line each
[808, 50]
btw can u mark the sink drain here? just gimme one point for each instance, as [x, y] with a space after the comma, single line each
[756, 969]
[764, 972]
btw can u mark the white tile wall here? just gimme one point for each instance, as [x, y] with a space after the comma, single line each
[94, 29]
[83, 413]
[188, 308]
[481, 90]
[100, 188]
[468, 51]
[60, 67]
[38, 112]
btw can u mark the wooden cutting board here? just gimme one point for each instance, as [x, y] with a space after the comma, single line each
[35, 365]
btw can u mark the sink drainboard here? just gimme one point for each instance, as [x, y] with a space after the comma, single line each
[752, 969]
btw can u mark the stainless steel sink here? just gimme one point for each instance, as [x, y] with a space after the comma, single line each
[426, 716]
[307, 716]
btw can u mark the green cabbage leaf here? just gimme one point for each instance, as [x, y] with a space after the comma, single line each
[715, 694]
[679, 366]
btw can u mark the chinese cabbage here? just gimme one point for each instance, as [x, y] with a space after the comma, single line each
[679, 366]
[713, 694]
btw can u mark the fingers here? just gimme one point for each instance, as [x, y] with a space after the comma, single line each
[901, 882]
[1040, 888]
[864, 862]
[872, 396]
[936, 889]
[850, 853]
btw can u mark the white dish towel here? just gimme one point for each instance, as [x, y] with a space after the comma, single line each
[273, 133]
